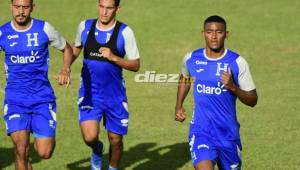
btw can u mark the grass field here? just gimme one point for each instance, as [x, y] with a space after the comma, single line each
[264, 32]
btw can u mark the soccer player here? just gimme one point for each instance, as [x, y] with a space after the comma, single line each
[102, 91]
[29, 104]
[219, 77]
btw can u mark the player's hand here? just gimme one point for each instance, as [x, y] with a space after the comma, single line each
[180, 114]
[226, 79]
[63, 78]
[107, 53]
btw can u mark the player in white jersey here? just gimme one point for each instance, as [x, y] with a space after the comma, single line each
[102, 93]
[219, 77]
[29, 104]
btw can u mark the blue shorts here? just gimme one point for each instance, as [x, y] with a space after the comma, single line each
[115, 114]
[227, 155]
[40, 119]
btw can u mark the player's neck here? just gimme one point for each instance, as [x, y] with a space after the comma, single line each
[214, 53]
[105, 26]
[22, 26]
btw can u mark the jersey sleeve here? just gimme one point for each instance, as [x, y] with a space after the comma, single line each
[78, 40]
[131, 48]
[55, 39]
[245, 79]
[184, 69]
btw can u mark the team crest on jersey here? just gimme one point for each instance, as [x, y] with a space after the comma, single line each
[32, 39]
[221, 67]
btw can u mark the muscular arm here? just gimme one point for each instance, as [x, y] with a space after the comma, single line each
[183, 90]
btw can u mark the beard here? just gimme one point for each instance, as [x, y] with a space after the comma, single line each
[216, 49]
[22, 22]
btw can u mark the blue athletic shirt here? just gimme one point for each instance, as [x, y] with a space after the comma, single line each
[104, 80]
[215, 106]
[26, 61]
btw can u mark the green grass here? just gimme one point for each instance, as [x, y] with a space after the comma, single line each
[264, 32]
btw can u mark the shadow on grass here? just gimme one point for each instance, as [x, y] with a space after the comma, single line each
[145, 156]
[7, 156]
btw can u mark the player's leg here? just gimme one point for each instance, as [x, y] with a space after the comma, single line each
[203, 152]
[18, 128]
[205, 165]
[115, 149]
[230, 156]
[44, 128]
[90, 131]
[116, 123]
[44, 146]
[90, 114]
[20, 140]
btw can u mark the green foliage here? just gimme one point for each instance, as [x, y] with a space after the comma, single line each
[264, 32]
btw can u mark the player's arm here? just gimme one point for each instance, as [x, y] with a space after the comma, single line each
[76, 50]
[247, 97]
[58, 42]
[128, 64]
[184, 85]
[63, 77]
[246, 91]
[132, 61]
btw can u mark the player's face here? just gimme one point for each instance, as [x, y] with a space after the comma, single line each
[215, 34]
[107, 11]
[21, 10]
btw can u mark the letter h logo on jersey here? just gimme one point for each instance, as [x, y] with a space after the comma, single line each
[32, 38]
[220, 68]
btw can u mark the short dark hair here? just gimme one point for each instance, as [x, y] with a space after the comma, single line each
[30, 2]
[215, 18]
[117, 2]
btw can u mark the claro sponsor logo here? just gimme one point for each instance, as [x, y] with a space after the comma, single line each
[202, 88]
[25, 59]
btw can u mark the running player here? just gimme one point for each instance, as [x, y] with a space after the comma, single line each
[102, 94]
[219, 77]
[29, 104]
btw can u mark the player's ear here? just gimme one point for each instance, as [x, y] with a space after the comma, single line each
[202, 32]
[32, 7]
[118, 9]
[227, 34]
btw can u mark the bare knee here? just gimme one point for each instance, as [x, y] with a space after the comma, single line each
[90, 139]
[115, 140]
[45, 153]
[90, 130]
[45, 147]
